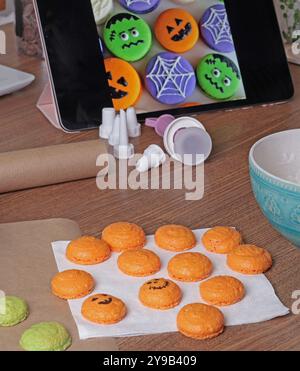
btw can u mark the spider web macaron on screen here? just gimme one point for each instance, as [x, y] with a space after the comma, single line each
[216, 29]
[170, 78]
[175, 71]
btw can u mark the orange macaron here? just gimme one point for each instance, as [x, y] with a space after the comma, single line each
[103, 309]
[124, 236]
[160, 294]
[72, 284]
[190, 267]
[139, 263]
[88, 251]
[176, 30]
[175, 238]
[249, 259]
[222, 291]
[221, 240]
[200, 321]
[124, 82]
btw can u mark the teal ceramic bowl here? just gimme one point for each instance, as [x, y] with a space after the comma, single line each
[275, 178]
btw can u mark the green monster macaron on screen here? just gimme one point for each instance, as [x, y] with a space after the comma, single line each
[166, 54]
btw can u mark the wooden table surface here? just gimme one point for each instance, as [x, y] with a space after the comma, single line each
[228, 199]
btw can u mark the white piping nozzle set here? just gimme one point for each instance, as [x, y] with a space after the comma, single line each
[185, 139]
[123, 150]
[118, 128]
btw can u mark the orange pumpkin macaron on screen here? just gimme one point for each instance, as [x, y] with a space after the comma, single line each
[124, 83]
[176, 30]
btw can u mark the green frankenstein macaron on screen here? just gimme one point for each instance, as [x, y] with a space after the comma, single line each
[176, 53]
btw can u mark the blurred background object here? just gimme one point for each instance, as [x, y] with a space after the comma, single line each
[2, 5]
[289, 18]
[6, 12]
[26, 29]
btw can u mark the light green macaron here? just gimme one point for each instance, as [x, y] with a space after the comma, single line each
[13, 310]
[46, 336]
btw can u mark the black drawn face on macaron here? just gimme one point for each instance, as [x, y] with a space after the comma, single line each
[218, 76]
[158, 284]
[102, 299]
[118, 85]
[179, 30]
[127, 36]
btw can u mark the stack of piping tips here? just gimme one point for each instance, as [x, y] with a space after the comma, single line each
[123, 150]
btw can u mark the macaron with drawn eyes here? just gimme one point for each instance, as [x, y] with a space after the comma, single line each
[218, 76]
[139, 263]
[161, 294]
[222, 291]
[190, 267]
[249, 260]
[221, 240]
[88, 251]
[72, 284]
[103, 309]
[175, 238]
[127, 36]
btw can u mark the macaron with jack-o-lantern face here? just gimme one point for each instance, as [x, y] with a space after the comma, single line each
[103, 309]
[160, 293]
[176, 30]
[124, 83]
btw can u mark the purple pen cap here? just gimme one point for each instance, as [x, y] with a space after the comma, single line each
[160, 124]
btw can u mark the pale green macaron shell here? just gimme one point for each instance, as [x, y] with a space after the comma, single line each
[46, 336]
[13, 310]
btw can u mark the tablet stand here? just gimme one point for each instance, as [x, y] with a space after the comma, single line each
[46, 105]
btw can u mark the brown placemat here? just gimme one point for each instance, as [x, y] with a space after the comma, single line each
[27, 265]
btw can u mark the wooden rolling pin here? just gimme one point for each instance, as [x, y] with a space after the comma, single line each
[49, 165]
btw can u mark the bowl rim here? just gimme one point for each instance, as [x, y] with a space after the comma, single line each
[277, 179]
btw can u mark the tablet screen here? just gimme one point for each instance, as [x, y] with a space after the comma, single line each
[160, 56]
[182, 51]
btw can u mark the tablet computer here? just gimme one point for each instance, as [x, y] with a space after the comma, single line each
[160, 56]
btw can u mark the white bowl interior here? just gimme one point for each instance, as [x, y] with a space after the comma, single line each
[279, 155]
